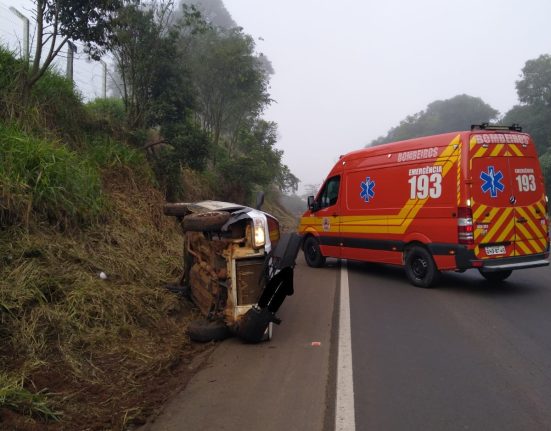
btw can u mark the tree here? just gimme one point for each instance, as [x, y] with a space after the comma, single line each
[545, 161]
[534, 93]
[441, 116]
[257, 163]
[141, 41]
[57, 22]
[213, 11]
[534, 119]
[231, 83]
[534, 87]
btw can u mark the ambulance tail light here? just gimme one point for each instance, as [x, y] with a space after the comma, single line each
[465, 231]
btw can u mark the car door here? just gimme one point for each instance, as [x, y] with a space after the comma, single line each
[329, 217]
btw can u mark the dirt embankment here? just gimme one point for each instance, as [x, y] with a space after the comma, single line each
[85, 350]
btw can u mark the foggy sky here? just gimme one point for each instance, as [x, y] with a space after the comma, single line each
[347, 71]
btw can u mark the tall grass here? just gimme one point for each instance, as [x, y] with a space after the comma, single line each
[53, 105]
[45, 179]
[107, 153]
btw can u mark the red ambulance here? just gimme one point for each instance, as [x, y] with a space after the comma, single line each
[450, 202]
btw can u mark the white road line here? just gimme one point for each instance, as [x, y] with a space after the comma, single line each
[344, 411]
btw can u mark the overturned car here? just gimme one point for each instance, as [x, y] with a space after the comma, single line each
[238, 268]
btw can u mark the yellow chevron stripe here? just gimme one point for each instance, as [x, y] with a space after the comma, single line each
[516, 150]
[536, 246]
[499, 222]
[479, 153]
[459, 175]
[497, 149]
[523, 247]
[505, 233]
[479, 211]
[543, 242]
[531, 223]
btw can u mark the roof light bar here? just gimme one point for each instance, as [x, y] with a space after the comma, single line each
[487, 126]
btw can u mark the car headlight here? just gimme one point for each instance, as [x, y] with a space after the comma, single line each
[259, 237]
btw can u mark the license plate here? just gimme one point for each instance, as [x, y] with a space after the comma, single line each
[494, 250]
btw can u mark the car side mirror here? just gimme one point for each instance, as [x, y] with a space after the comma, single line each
[312, 204]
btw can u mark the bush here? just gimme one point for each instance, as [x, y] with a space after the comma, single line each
[10, 70]
[50, 181]
[59, 107]
[107, 114]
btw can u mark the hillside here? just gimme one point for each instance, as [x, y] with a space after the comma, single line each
[90, 338]
[77, 350]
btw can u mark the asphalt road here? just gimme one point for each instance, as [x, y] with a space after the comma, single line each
[466, 355]
[277, 385]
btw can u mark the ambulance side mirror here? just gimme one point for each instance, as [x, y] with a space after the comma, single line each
[312, 204]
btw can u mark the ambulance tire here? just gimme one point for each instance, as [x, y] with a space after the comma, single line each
[312, 253]
[496, 276]
[420, 267]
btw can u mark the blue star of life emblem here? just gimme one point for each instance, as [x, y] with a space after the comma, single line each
[367, 189]
[492, 181]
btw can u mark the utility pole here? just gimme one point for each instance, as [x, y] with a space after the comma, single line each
[104, 84]
[71, 49]
[25, 32]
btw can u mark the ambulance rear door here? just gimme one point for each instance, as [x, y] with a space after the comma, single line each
[507, 197]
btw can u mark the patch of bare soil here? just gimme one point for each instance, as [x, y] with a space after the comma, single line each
[118, 406]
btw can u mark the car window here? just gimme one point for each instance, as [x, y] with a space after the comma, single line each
[330, 192]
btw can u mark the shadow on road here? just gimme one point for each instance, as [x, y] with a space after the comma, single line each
[521, 283]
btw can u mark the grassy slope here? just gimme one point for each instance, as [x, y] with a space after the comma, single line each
[74, 347]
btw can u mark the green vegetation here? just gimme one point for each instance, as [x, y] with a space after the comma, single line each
[81, 194]
[47, 180]
[15, 396]
[534, 110]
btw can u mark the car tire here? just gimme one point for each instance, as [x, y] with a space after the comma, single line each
[268, 332]
[201, 222]
[420, 267]
[312, 253]
[495, 276]
[175, 209]
[203, 330]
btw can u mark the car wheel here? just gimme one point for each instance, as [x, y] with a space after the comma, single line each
[203, 330]
[268, 332]
[312, 253]
[495, 276]
[420, 267]
[201, 222]
[175, 209]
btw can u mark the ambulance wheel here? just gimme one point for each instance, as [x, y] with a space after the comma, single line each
[312, 253]
[420, 267]
[496, 276]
